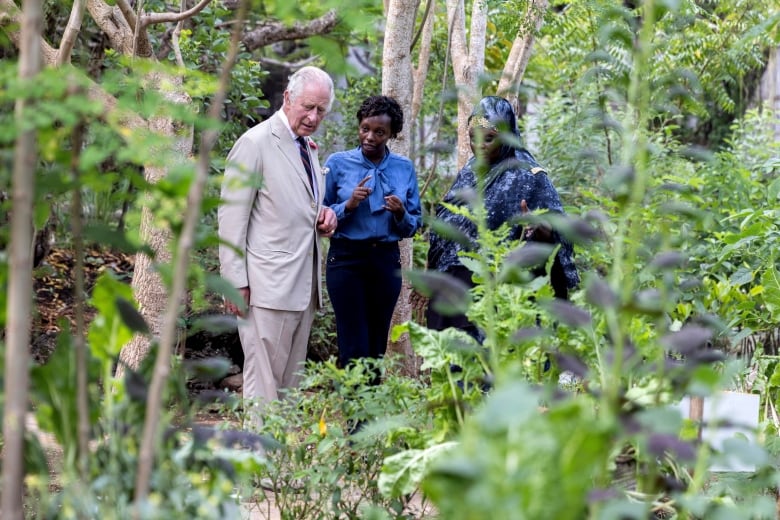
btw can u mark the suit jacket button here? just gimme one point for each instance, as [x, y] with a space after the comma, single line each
[313, 205]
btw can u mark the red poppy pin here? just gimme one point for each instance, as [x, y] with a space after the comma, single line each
[312, 144]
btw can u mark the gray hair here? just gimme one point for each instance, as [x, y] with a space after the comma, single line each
[306, 75]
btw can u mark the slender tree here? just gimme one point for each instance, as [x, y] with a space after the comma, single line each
[468, 62]
[17, 377]
[420, 72]
[517, 61]
[398, 82]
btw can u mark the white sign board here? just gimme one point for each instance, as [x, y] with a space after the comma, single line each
[727, 415]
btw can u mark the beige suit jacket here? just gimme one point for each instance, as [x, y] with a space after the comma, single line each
[269, 214]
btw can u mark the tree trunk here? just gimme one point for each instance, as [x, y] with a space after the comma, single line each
[19, 312]
[468, 63]
[769, 91]
[122, 27]
[397, 82]
[420, 73]
[149, 290]
[514, 68]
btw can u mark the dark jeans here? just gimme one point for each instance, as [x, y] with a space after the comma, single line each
[364, 281]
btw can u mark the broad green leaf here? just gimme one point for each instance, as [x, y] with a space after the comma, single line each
[771, 282]
[403, 472]
[130, 316]
[439, 349]
[107, 332]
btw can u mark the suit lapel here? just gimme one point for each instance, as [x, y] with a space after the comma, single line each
[289, 149]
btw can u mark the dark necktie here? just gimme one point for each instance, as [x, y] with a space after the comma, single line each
[303, 148]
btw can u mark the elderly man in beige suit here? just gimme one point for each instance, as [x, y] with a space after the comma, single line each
[270, 222]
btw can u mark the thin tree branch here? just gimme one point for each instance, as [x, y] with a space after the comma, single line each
[77, 228]
[423, 59]
[440, 114]
[175, 38]
[155, 18]
[19, 302]
[288, 65]
[137, 28]
[277, 32]
[424, 21]
[127, 11]
[71, 33]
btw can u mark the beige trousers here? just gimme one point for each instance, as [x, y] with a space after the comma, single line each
[274, 344]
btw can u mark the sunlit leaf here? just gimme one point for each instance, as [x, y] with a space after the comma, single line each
[403, 472]
[107, 332]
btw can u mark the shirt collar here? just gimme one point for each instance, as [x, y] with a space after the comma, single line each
[369, 164]
[286, 122]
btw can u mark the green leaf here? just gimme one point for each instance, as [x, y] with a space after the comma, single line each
[403, 472]
[773, 191]
[54, 387]
[771, 282]
[450, 232]
[130, 316]
[774, 379]
[439, 349]
[743, 276]
[41, 215]
[107, 332]
[218, 285]
[208, 369]
[449, 295]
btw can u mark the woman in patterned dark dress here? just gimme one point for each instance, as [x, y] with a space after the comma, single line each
[514, 184]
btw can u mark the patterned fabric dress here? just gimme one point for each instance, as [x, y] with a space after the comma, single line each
[513, 177]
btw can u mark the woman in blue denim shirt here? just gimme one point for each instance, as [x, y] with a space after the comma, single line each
[375, 197]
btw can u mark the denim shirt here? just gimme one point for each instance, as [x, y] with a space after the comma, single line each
[395, 175]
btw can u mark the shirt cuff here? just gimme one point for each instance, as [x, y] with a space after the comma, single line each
[340, 210]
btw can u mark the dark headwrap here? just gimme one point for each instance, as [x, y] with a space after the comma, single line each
[497, 113]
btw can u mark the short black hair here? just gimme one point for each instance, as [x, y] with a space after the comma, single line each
[380, 105]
